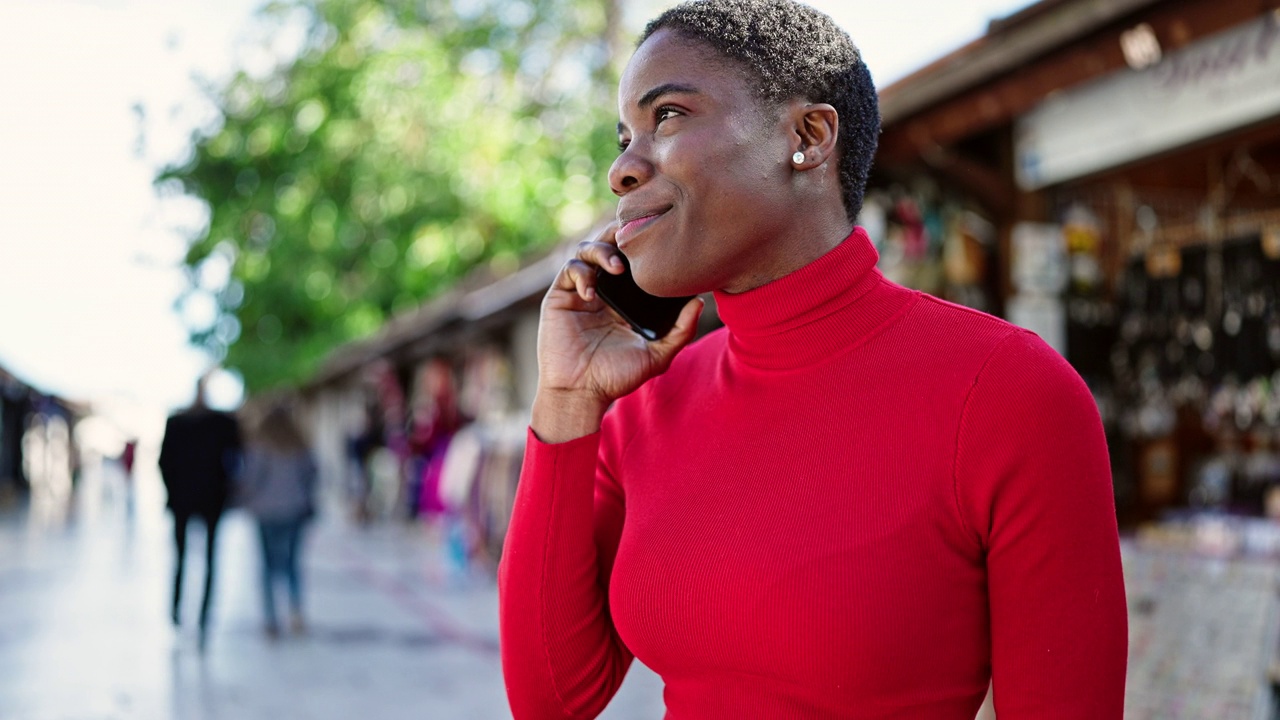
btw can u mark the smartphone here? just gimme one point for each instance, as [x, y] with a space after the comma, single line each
[649, 315]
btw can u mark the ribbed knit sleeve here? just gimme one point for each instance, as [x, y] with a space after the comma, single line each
[561, 656]
[1033, 484]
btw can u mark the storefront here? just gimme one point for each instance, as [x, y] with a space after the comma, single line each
[427, 419]
[15, 407]
[1169, 201]
[1128, 163]
[37, 444]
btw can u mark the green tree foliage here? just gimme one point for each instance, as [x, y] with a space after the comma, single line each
[408, 143]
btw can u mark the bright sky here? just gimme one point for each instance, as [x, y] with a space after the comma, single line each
[89, 256]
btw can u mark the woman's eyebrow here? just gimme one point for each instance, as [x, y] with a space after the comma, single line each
[647, 99]
[666, 88]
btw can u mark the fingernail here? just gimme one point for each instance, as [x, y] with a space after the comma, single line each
[589, 294]
[616, 262]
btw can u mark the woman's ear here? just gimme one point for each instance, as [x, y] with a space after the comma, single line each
[816, 127]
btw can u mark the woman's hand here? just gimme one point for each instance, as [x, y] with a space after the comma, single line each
[587, 355]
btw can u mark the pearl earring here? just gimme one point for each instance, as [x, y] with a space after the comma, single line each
[798, 157]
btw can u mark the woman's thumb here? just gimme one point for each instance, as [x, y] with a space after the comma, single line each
[681, 334]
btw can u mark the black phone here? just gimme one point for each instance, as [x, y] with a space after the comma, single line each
[649, 315]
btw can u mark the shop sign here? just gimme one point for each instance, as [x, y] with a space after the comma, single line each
[1039, 269]
[1214, 85]
[1039, 258]
[1044, 315]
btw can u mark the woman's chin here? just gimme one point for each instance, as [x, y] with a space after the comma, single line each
[663, 283]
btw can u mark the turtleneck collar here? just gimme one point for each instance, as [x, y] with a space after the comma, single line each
[822, 309]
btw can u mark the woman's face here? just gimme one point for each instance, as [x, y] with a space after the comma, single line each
[704, 176]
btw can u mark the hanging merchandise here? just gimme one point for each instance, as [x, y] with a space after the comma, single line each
[496, 486]
[434, 421]
[1199, 333]
[487, 385]
[1082, 232]
[460, 467]
[915, 236]
[932, 242]
[966, 250]
[1159, 472]
[1090, 311]
[1163, 261]
[480, 466]
[873, 219]
[391, 479]
[1271, 242]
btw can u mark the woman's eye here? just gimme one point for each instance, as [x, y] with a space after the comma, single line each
[622, 146]
[665, 113]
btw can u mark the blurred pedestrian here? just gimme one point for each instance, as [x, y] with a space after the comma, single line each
[360, 450]
[436, 418]
[278, 488]
[198, 457]
[127, 458]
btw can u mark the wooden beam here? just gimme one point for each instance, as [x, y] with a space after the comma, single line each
[989, 187]
[1051, 25]
[997, 103]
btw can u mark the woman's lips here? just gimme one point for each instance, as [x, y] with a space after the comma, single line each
[631, 228]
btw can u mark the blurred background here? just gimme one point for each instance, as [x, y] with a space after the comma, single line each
[351, 208]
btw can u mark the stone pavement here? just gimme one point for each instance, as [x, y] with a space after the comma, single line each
[1202, 635]
[85, 634]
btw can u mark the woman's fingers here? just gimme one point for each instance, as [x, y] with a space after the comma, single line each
[682, 333]
[579, 274]
[578, 277]
[603, 251]
[601, 255]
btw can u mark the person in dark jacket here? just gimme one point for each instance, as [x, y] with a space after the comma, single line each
[198, 457]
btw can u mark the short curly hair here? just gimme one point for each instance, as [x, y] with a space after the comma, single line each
[794, 52]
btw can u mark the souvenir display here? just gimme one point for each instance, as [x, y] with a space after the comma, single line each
[1183, 352]
[449, 456]
[932, 242]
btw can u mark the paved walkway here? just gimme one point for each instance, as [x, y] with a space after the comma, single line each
[85, 634]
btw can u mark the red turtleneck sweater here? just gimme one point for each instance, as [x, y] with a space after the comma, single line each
[854, 501]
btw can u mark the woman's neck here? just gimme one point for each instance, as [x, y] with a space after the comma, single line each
[802, 241]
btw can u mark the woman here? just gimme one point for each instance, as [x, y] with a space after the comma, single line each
[278, 488]
[855, 500]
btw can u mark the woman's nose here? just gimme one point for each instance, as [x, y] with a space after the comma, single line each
[629, 171]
